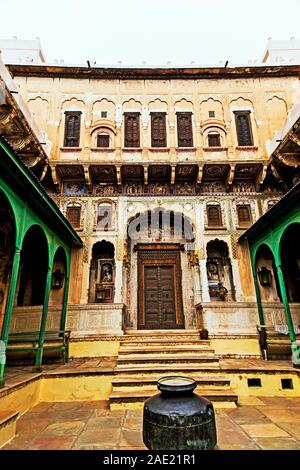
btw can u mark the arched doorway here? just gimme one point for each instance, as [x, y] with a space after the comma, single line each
[159, 243]
[102, 273]
[219, 271]
[33, 268]
[290, 259]
[267, 275]
[7, 243]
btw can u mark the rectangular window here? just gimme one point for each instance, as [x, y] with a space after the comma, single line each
[73, 216]
[243, 128]
[211, 114]
[214, 140]
[244, 216]
[184, 130]
[72, 128]
[102, 140]
[158, 130]
[214, 216]
[104, 114]
[132, 129]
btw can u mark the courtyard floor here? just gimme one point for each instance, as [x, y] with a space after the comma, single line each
[265, 423]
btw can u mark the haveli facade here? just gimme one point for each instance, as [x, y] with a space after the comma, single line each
[160, 171]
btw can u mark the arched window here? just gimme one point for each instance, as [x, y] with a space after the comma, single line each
[102, 273]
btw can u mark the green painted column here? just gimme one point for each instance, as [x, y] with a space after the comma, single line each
[295, 349]
[63, 318]
[9, 308]
[39, 354]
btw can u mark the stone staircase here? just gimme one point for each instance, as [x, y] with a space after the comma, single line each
[145, 357]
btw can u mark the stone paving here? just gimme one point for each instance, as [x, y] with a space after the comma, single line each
[258, 423]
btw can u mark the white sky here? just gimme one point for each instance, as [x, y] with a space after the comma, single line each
[154, 31]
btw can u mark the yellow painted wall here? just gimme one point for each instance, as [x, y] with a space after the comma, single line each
[270, 385]
[72, 388]
[8, 432]
[246, 346]
[22, 399]
[94, 348]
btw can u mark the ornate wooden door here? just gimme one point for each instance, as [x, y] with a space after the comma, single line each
[159, 287]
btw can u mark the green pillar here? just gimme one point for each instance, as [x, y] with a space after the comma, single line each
[295, 350]
[9, 308]
[39, 354]
[63, 317]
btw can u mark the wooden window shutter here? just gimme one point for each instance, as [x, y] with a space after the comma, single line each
[214, 216]
[73, 216]
[72, 128]
[214, 140]
[244, 215]
[184, 130]
[102, 140]
[158, 130]
[132, 129]
[243, 128]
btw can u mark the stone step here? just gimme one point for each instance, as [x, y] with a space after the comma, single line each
[141, 349]
[138, 381]
[165, 332]
[138, 395]
[166, 358]
[167, 368]
[8, 420]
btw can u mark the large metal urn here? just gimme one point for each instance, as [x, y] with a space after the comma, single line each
[177, 418]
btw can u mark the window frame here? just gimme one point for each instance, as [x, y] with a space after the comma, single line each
[127, 142]
[244, 223]
[180, 139]
[68, 115]
[219, 222]
[240, 137]
[78, 210]
[213, 134]
[163, 142]
[99, 136]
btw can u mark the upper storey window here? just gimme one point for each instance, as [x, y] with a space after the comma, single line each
[243, 128]
[214, 216]
[102, 140]
[158, 130]
[214, 139]
[132, 130]
[72, 128]
[244, 215]
[184, 129]
[73, 215]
